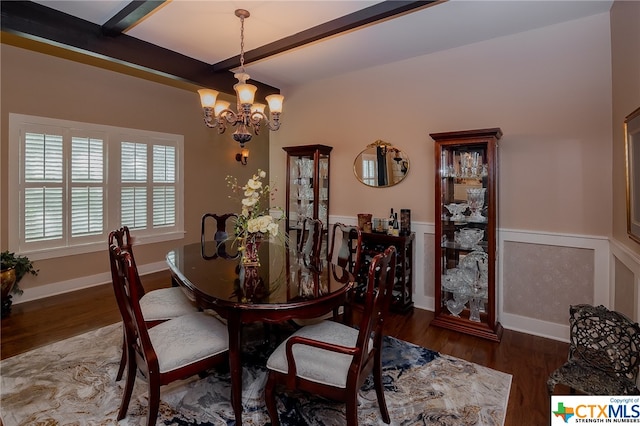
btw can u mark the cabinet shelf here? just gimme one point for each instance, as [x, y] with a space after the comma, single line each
[466, 187]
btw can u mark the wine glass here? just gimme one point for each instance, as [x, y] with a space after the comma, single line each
[475, 198]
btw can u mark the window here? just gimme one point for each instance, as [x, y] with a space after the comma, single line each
[369, 170]
[74, 182]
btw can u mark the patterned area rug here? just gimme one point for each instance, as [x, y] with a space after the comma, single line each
[73, 382]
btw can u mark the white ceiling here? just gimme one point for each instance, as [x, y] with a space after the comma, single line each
[209, 31]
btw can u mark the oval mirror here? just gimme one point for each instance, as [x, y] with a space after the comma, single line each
[381, 165]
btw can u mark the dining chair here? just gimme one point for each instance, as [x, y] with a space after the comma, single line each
[346, 247]
[220, 237]
[173, 350]
[157, 305]
[333, 359]
[310, 240]
[604, 353]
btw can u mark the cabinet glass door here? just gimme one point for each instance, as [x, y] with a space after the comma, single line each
[307, 186]
[466, 227]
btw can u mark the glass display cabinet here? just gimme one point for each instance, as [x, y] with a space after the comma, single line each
[466, 216]
[307, 188]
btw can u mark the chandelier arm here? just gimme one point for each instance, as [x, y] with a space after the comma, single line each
[229, 116]
[274, 123]
[256, 117]
[209, 118]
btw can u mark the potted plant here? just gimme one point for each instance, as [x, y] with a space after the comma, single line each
[13, 268]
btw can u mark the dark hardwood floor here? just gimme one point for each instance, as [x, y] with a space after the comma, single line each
[529, 359]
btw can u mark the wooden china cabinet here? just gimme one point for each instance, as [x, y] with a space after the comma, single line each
[466, 225]
[307, 188]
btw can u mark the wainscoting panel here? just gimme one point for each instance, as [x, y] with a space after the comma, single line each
[541, 275]
[542, 281]
[625, 273]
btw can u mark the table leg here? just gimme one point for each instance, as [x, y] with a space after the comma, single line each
[235, 365]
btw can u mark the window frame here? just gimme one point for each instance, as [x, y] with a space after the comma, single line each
[113, 136]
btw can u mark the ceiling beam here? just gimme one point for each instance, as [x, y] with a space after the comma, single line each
[45, 25]
[372, 14]
[130, 15]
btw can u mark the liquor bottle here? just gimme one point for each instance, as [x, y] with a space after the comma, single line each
[390, 224]
[396, 225]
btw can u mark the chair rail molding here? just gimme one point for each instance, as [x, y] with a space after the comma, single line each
[605, 252]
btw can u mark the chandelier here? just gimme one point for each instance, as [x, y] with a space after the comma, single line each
[249, 115]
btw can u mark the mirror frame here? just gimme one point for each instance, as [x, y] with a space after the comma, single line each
[372, 149]
[632, 151]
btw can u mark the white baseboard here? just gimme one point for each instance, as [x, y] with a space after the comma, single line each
[68, 286]
[535, 327]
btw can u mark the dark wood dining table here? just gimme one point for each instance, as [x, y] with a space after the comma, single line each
[281, 288]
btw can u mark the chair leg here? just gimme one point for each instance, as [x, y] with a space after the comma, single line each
[377, 381]
[123, 358]
[154, 400]
[352, 409]
[270, 400]
[128, 386]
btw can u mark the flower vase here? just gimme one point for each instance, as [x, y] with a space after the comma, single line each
[250, 252]
[252, 288]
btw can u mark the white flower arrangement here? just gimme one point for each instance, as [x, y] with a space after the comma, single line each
[254, 216]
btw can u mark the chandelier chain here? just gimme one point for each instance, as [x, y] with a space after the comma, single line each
[242, 43]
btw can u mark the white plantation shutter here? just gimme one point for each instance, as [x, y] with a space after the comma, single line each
[133, 175]
[164, 179]
[164, 201]
[133, 162]
[77, 181]
[43, 177]
[164, 164]
[134, 207]
[87, 181]
[43, 215]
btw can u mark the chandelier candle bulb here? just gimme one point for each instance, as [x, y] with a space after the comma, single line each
[220, 106]
[275, 103]
[246, 93]
[258, 108]
[208, 97]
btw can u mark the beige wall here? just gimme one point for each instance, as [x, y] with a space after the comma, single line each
[38, 84]
[625, 64]
[548, 89]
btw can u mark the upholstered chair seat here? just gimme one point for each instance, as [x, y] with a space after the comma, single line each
[166, 303]
[315, 364]
[188, 339]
